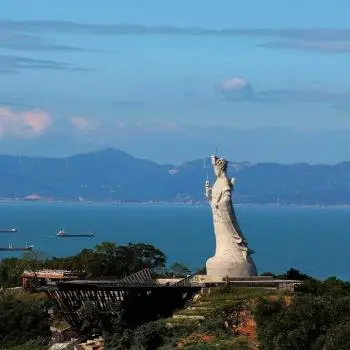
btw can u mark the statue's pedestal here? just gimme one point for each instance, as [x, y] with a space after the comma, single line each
[218, 267]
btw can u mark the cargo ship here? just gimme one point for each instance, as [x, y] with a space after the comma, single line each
[8, 230]
[62, 233]
[11, 248]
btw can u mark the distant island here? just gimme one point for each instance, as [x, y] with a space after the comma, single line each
[115, 176]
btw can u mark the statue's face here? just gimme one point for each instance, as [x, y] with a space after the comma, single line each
[218, 165]
[217, 171]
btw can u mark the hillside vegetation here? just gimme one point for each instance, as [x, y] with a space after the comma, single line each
[316, 317]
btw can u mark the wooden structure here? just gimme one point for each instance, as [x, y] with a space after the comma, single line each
[47, 276]
[138, 294]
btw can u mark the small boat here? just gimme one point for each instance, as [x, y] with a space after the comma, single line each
[11, 248]
[8, 230]
[62, 233]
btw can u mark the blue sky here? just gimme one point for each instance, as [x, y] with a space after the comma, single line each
[171, 80]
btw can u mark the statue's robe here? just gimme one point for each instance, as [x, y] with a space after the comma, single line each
[232, 255]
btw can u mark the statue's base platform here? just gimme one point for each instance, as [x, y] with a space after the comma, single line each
[253, 281]
[230, 266]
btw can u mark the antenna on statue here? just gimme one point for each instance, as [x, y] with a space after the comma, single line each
[216, 150]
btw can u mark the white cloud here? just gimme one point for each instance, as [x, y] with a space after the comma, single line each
[24, 123]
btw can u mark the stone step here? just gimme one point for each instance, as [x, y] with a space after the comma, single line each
[189, 317]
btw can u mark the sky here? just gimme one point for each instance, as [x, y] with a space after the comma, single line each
[171, 81]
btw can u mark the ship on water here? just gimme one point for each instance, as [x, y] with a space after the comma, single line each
[11, 248]
[62, 233]
[8, 230]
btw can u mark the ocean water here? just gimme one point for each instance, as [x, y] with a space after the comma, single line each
[314, 240]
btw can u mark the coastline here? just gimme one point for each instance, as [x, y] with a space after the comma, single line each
[171, 203]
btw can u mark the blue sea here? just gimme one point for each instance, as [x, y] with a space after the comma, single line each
[311, 239]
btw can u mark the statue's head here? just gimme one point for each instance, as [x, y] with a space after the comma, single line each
[219, 164]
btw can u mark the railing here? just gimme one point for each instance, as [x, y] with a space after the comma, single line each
[47, 271]
[51, 270]
[186, 282]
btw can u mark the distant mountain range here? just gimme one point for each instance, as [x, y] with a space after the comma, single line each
[113, 175]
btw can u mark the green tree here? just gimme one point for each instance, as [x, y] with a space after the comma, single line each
[338, 337]
[36, 344]
[293, 274]
[179, 270]
[240, 343]
[331, 287]
[107, 259]
[304, 324]
[21, 321]
[146, 256]
[120, 261]
[86, 262]
[10, 272]
[92, 317]
[150, 335]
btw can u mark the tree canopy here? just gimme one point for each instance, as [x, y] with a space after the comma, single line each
[22, 320]
[316, 318]
[106, 259]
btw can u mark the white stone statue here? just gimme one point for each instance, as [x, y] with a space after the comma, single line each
[232, 256]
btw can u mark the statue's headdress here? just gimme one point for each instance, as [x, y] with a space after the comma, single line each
[222, 163]
[219, 162]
